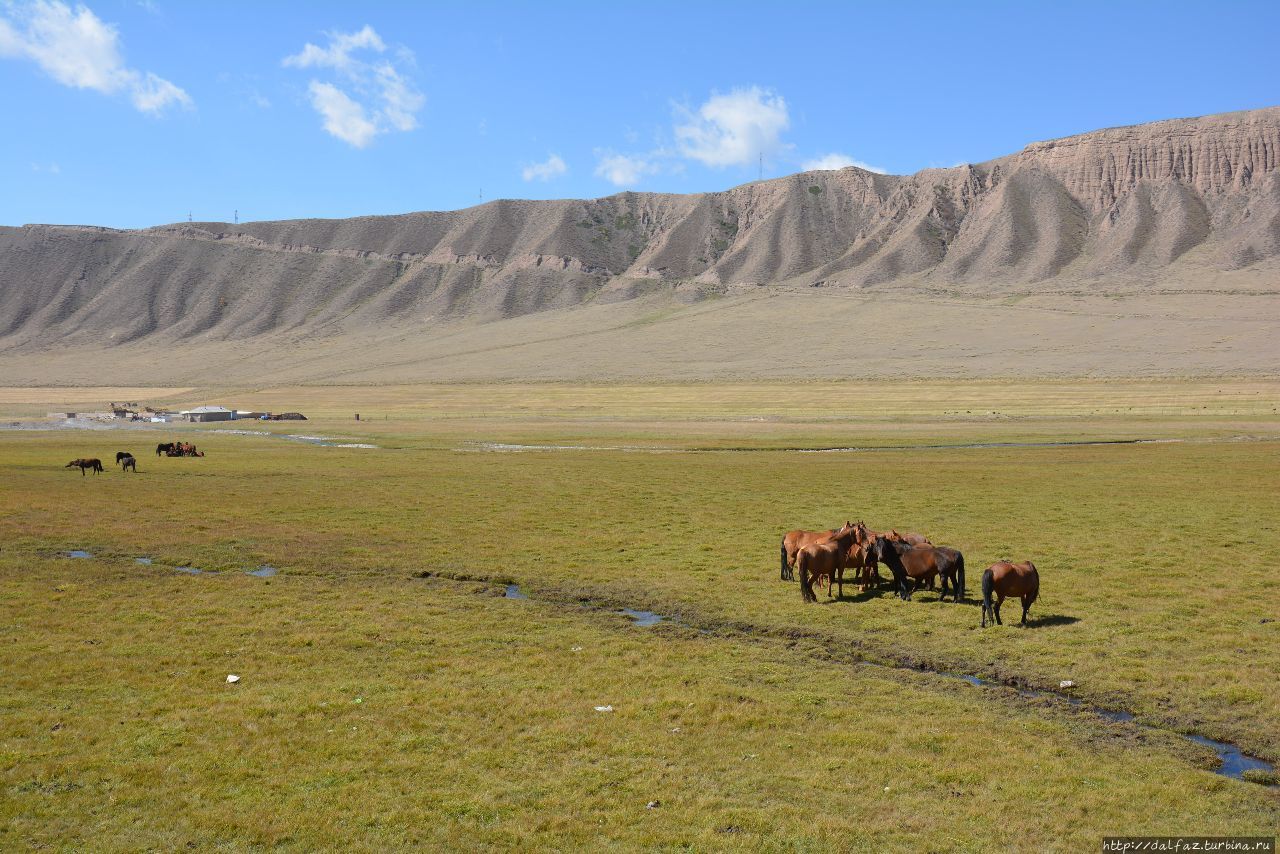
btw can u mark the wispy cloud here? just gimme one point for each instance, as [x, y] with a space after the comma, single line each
[552, 167]
[836, 160]
[733, 129]
[80, 50]
[51, 168]
[375, 96]
[625, 170]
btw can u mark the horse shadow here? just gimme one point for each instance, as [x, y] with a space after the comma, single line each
[1051, 620]
[860, 595]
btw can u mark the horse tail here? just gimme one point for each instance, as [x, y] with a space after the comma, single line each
[988, 584]
[960, 580]
[1035, 594]
[783, 570]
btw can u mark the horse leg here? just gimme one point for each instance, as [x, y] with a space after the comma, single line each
[943, 594]
[1026, 606]
[999, 602]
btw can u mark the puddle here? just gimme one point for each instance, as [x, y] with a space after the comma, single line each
[145, 561]
[323, 441]
[509, 448]
[513, 592]
[642, 618]
[320, 441]
[970, 445]
[514, 448]
[264, 571]
[189, 570]
[81, 553]
[1232, 762]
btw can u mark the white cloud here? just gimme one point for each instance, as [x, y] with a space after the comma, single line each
[80, 50]
[376, 99]
[624, 170]
[51, 167]
[733, 129]
[835, 160]
[152, 94]
[338, 53]
[552, 167]
[344, 118]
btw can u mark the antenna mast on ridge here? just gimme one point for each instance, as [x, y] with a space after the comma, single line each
[237, 216]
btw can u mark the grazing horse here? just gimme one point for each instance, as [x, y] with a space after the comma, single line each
[793, 542]
[128, 462]
[165, 448]
[824, 559]
[1009, 579]
[84, 463]
[912, 568]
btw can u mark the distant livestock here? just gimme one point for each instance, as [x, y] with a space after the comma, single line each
[94, 465]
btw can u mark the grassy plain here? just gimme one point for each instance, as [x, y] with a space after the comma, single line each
[476, 725]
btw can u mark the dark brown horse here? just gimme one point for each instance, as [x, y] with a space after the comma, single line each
[120, 455]
[84, 463]
[824, 559]
[1009, 579]
[793, 542]
[164, 448]
[913, 568]
[128, 462]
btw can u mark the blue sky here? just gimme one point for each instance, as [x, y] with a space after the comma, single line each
[129, 114]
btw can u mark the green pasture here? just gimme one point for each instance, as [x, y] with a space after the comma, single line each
[476, 724]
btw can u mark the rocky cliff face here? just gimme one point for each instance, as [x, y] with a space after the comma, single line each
[1128, 203]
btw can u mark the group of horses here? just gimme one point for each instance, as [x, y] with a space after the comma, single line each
[124, 459]
[912, 559]
[128, 462]
[178, 449]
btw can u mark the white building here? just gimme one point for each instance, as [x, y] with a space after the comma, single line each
[208, 413]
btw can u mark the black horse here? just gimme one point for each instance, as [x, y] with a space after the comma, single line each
[165, 448]
[914, 567]
[120, 455]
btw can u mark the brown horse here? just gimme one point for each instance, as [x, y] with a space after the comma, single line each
[1009, 579]
[85, 463]
[793, 542]
[860, 557]
[824, 559]
[912, 568]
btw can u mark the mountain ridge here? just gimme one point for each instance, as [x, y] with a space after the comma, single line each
[1169, 204]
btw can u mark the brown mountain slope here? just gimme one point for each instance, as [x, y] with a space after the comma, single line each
[1169, 205]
